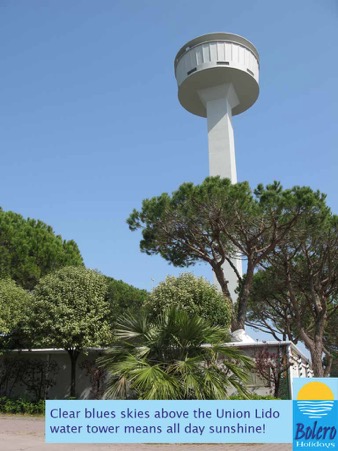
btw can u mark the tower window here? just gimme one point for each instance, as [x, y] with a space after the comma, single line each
[192, 70]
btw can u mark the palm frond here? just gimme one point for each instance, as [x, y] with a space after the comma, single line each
[178, 357]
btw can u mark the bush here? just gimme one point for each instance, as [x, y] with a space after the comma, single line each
[194, 295]
[33, 375]
[21, 406]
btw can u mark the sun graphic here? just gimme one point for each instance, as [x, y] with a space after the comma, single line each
[315, 391]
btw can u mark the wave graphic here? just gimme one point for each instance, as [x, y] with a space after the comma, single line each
[315, 409]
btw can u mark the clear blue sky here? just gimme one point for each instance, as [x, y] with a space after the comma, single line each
[90, 123]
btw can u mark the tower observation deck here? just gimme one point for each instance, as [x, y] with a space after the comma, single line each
[218, 77]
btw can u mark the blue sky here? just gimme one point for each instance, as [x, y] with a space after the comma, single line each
[90, 123]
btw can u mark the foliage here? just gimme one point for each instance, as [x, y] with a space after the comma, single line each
[300, 288]
[37, 376]
[216, 221]
[252, 397]
[331, 337]
[69, 311]
[169, 359]
[273, 367]
[334, 368]
[193, 294]
[270, 309]
[29, 249]
[124, 298]
[14, 302]
[21, 406]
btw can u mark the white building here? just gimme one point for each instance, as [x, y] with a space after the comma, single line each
[90, 382]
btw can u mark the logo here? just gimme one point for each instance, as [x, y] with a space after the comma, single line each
[315, 413]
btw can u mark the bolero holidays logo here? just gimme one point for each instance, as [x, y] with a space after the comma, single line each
[315, 413]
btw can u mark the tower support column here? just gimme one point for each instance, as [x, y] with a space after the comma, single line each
[219, 102]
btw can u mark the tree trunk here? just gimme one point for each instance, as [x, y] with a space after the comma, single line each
[315, 344]
[73, 354]
[328, 365]
[276, 386]
[317, 361]
[316, 351]
[238, 322]
[218, 270]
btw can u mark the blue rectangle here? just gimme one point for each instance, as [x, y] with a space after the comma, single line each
[315, 413]
[168, 421]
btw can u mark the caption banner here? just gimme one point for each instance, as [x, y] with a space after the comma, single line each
[168, 421]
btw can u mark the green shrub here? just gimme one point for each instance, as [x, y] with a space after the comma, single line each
[194, 295]
[21, 406]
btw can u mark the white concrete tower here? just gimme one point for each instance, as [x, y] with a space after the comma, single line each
[217, 76]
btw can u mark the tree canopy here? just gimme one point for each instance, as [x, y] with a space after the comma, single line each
[195, 295]
[29, 249]
[69, 311]
[216, 221]
[14, 304]
[124, 298]
[297, 293]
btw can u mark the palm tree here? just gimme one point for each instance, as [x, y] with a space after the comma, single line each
[176, 357]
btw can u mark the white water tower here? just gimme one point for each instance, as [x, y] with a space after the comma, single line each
[217, 76]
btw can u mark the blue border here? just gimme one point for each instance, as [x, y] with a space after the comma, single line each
[180, 422]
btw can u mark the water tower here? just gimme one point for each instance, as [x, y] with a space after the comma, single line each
[217, 76]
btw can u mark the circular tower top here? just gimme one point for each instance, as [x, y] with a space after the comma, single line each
[216, 59]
